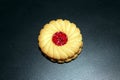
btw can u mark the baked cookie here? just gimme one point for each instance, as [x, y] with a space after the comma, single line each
[60, 40]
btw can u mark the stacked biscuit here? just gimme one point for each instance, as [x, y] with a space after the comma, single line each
[60, 40]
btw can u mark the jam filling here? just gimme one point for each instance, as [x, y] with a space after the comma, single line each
[59, 38]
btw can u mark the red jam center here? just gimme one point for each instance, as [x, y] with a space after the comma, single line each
[59, 38]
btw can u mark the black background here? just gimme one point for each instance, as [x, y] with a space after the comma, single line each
[20, 22]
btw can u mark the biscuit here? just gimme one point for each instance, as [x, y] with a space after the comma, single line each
[60, 40]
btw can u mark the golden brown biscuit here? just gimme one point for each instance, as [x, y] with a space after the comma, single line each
[60, 40]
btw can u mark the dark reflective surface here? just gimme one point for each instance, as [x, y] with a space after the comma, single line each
[20, 58]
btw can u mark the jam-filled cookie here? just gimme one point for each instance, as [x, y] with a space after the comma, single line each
[60, 40]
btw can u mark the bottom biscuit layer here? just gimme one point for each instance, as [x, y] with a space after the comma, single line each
[68, 59]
